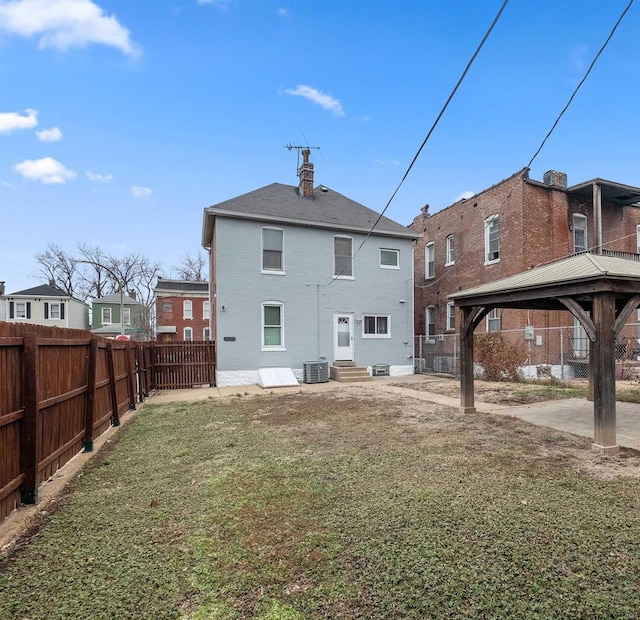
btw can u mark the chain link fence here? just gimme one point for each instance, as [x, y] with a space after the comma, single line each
[553, 352]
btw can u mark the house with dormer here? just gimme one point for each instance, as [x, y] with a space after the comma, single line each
[303, 274]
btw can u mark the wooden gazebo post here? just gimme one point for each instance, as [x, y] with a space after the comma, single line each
[466, 361]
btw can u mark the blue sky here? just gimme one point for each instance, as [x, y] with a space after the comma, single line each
[121, 120]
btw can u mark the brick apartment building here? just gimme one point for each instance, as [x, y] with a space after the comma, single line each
[513, 226]
[182, 310]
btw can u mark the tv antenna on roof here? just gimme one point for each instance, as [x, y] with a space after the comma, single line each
[299, 148]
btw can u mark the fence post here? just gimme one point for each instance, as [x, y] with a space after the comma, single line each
[115, 417]
[129, 365]
[30, 437]
[90, 410]
[140, 372]
[209, 356]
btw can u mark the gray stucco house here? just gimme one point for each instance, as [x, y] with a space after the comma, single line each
[301, 274]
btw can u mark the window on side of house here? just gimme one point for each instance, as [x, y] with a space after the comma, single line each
[389, 259]
[126, 313]
[187, 334]
[272, 326]
[450, 251]
[206, 333]
[187, 309]
[492, 239]
[579, 223]
[429, 260]
[430, 322]
[206, 310]
[167, 308]
[376, 326]
[451, 316]
[106, 316]
[343, 257]
[493, 320]
[272, 250]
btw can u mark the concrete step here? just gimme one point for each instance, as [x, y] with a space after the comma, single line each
[344, 364]
[349, 374]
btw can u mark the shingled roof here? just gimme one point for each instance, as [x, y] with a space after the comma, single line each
[44, 290]
[326, 208]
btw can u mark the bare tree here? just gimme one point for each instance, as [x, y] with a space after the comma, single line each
[58, 268]
[193, 268]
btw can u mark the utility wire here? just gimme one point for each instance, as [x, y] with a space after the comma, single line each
[435, 123]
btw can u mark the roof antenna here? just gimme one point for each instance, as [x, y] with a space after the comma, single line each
[299, 148]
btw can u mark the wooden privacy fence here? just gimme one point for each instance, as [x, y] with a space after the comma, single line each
[60, 389]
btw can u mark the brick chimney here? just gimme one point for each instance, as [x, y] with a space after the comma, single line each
[306, 175]
[556, 179]
[132, 294]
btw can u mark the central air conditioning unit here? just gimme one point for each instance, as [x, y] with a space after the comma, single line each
[315, 372]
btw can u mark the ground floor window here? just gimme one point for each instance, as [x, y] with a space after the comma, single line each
[272, 326]
[376, 326]
[188, 334]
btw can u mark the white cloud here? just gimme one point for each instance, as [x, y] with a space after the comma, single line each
[62, 24]
[141, 192]
[12, 120]
[390, 162]
[96, 176]
[221, 4]
[46, 170]
[282, 12]
[324, 101]
[464, 196]
[49, 135]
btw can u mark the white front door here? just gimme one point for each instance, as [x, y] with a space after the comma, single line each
[343, 337]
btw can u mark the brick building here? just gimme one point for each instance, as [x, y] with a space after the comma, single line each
[513, 226]
[182, 310]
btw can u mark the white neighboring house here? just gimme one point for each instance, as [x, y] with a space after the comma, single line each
[46, 305]
[3, 305]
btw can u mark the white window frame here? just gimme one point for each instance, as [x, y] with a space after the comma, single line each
[106, 316]
[263, 326]
[579, 223]
[20, 311]
[206, 333]
[54, 311]
[494, 320]
[637, 239]
[430, 260]
[451, 316]
[272, 270]
[126, 313]
[489, 225]
[377, 326]
[342, 274]
[187, 309]
[450, 251]
[187, 334]
[390, 252]
[430, 321]
[206, 310]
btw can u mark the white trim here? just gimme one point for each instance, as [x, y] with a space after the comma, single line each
[429, 248]
[580, 222]
[266, 270]
[396, 252]
[450, 251]
[376, 335]
[184, 334]
[336, 275]
[430, 310]
[263, 346]
[487, 223]
[451, 316]
[102, 316]
[187, 315]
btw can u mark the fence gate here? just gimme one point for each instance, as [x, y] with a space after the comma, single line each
[177, 365]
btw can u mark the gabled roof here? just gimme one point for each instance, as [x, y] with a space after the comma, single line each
[44, 290]
[278, 203]
[115, 299]
[570, 272]
[183, 286]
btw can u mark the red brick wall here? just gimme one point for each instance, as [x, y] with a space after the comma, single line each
[176, 315]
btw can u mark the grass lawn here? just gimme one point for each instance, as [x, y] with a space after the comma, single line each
[338, 504]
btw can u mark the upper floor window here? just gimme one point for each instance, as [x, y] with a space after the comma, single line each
[430, 321]
[451, 316]
[272, 249]
[188, 334]
[206, 312]
[167, 308]
[579, 223]
[20, 310]
[272, 326]
[106, 316]
[187, 309]
[343, 257]
[450, 251]
[389, 259]
[376, 326]
[493, 320]
[492, 239]
[53, 311]
[429, 260]
[126, 312]
[638, 239]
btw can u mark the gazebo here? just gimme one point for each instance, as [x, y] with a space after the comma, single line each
[600, 291]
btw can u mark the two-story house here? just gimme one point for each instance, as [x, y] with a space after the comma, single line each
[106, 320]
[182, 310]
[509, 228]
[302, 274]
[45, 305]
